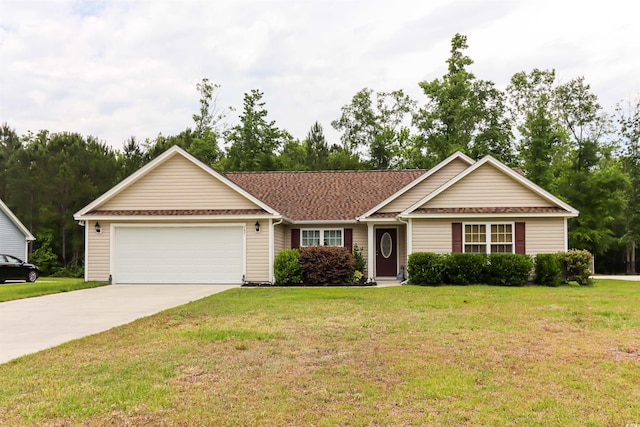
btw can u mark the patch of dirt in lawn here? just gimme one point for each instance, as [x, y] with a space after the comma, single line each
[625, 353]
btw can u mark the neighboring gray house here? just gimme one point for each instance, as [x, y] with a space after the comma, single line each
[14, 237]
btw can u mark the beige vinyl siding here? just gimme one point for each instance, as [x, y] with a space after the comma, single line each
[178, 184]
[98, 256]
[487, 187]
[257, 258]
[278, 238]
[287, 236]
[425, 187]
[432, 235]
[360, 238]
[543, 235]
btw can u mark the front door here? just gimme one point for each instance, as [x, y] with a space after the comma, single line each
[386, 252]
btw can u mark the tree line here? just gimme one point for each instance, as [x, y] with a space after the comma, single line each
[557, 133]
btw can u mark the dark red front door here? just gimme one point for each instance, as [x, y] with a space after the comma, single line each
[386, 252]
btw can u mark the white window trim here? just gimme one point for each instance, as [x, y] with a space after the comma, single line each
[322, 231]
[488, 235]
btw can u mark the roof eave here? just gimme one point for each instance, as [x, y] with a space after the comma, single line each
[142, 218]
[489, 215]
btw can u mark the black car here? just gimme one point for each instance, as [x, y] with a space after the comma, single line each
[12, 268]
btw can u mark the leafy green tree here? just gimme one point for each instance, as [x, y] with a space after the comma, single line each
[628, 119]
[375, 127]
[593, 181]
[253, 142]
[462, 113]
[342, 159]
[293, 156]
[209, 124]
[201, 142]
[543, 142]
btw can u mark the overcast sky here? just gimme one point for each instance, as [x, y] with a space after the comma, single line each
[116, 69]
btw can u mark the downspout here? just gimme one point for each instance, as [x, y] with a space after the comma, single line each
[408, 240]
[272, 231]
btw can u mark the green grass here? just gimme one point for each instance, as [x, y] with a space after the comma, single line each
[43, 286]
[475, 355]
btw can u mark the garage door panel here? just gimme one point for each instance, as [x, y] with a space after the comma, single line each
[168, 254]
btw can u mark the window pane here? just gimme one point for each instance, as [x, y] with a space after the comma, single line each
[475, 248]
[501, 233]
[333, 237]
[501, 249]
[310, 238]
[475, 233]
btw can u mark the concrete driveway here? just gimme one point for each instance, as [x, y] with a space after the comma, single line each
[34, 324]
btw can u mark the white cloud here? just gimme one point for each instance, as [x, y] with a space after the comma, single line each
[115, 69]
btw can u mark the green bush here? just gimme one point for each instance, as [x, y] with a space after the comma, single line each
[549, 269]
[45, 259]
[508, 269]
[360, 263]
[578, 266]
[426, 268]
[326, 265]
[465, 268]
[286, 267]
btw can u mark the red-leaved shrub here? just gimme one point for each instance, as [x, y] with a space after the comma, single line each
[328, 265]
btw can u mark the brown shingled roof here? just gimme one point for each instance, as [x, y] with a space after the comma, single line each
[323, 195]
[496, 210]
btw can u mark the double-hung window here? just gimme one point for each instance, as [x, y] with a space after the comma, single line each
[321, 237]
[488, 238]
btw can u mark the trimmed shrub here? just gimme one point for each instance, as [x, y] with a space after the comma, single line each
[578, 266]
[508, 269]
[426, 268]
[326, 265]
[549, 269]
[286, 267]
[465, 268]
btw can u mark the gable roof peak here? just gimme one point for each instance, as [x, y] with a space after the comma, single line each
[510, 172]
[153, 164]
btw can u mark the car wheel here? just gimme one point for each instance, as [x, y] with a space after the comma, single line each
[32, 276]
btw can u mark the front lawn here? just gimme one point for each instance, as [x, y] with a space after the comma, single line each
[475, 355]
[43, 286]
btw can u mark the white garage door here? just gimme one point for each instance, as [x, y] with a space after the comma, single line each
[169, 254]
